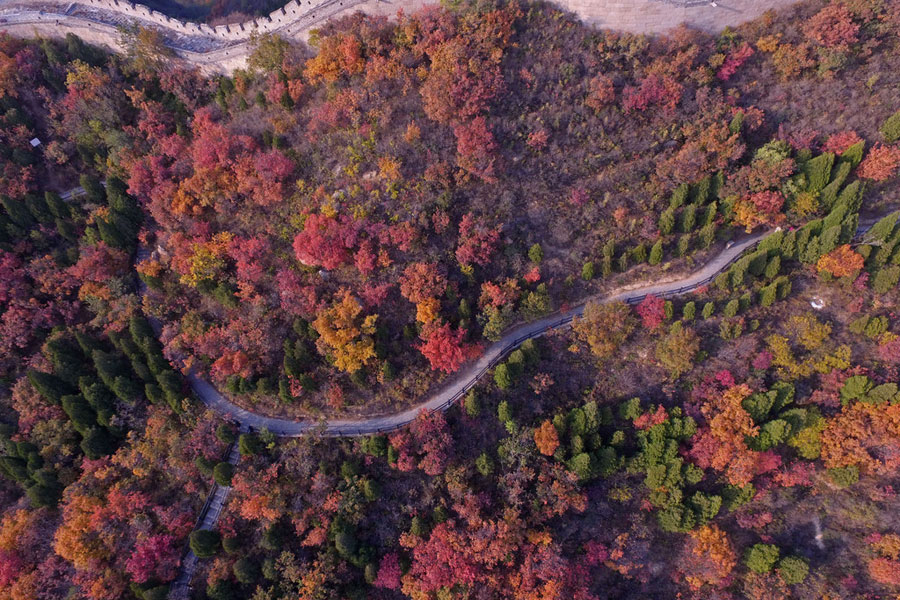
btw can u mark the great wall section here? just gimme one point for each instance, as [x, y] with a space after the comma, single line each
[224, 48]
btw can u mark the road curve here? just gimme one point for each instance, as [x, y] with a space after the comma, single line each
[463, 380]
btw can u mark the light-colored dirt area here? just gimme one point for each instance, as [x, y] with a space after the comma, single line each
[224, 48]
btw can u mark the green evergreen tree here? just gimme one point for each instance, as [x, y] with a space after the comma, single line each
[679, 196]
[818, 171]
[656, 253]
[222, 473]
[587, 271]
[688, 218]
[761, 558]
[793, 569]
[204, 543]
[666, 221]
[890, 129]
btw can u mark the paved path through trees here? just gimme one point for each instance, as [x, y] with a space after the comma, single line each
[444, 397]
[466, 378]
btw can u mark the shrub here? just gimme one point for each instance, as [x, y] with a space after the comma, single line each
[160, 592]
[245, 571]
[222, 473]
[688, 218]
[581, 465]
[818, 171]
[701, 190]
[731, 309]
[738, 271]
[854, 154]
[707, 235]
[844, 476]
[504, 414]
[225, 433]
[767, 295]
[883, 229]
[773, 267]
[639, 253]
[761, 558]
[679, 196]
[232, 544]
[204, 543]
[484, 464]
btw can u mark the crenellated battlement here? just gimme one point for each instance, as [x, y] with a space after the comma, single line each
[224, 47]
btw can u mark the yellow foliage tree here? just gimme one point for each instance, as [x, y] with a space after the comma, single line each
[427, 310]
[604, 327]
[345, 335]
[208, 259]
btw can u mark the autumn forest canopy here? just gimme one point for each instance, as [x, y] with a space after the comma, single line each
[341, 227]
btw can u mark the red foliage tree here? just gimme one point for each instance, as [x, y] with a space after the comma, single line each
[546, 438]
[444, 348]
[422, 281]
[600, 92]
[477, 242]
[156, 557]
[880, 164]
[833, 27]
[433, 441]
[652, 312]
[840, 141]
[734, 61]
[475, 148]
[654, 90]
[325, 241]
[389, 572]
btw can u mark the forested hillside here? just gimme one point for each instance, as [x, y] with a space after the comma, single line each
[339, 228]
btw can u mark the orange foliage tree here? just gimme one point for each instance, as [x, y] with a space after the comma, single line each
[863, 435]
[709, 557]
[546, 438]
[840, 262]
[722, 446]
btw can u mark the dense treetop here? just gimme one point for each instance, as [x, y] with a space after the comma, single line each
[339, 226]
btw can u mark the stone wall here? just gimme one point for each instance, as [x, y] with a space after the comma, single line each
[224, 48]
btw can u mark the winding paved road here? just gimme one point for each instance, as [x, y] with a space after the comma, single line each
[465, 379]
[462, 381]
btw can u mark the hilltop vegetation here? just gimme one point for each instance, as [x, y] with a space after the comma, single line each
[338, 227]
